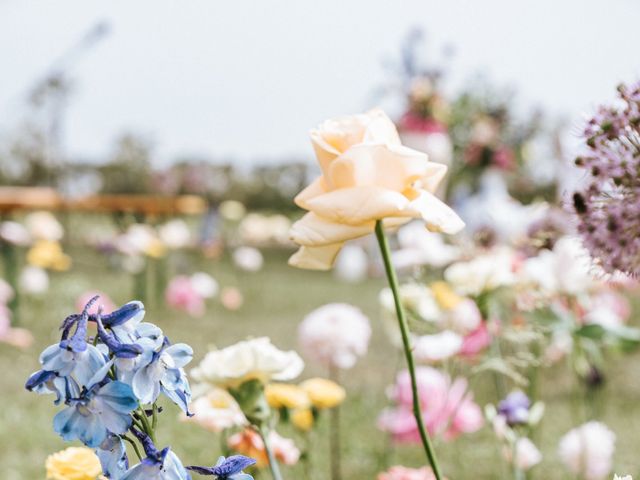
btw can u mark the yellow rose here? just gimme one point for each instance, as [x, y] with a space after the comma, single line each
[367, 175]
[323, 393]
[73, 463]
[302, 419]
[283, 395]
[445, 296]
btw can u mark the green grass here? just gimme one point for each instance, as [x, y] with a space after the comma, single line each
[276, 299]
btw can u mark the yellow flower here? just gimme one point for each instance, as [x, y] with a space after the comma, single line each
[48, 254]
[302, 419]
[283, 395]
[323, 393]
[367, 175]
[73, 463]
[155, 249]
[445, 296]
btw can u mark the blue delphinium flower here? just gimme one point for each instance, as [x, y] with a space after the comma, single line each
[113, 457]
[44, 382]
[227, 468]
[164, 373]
[101, 409]
[515, 408]
[158, 465]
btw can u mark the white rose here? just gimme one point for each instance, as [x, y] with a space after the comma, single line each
[247, 360]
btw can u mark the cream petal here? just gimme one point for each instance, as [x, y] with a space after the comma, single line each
[380, 128]
[315, 188]
[313, 231]
[315, 258]
[435, 173]
[393, 167]
[357, 205]
[438, 216]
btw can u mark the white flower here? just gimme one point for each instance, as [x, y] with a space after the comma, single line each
[437, 347]
[417, 298]
[247, 360]
[14, 233]
[527, 454]
[588, 450]
[465, 317]
[138, 239]
[248, 258]
[204, 284]
[564, 270]
[487, 271]
[419, 246]
[6, 292]
[626, 477]
[232, 210]
[34, 280]
[44, 226]
[335, 334]
[352, 264]
[216, 411]
[175, 234]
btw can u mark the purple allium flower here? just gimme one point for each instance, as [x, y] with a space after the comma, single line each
[515, 408]
[608, 207]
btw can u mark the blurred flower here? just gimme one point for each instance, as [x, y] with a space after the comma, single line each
[419, 246]
[204, 284]
[182, 295]
[73, 463]
[232, 210]
[404, 473]
[626, 477]
[448, 409]
[352, 264]
[488, 271]
[607, 207]
[476, 341]
[103, 301]
[251, 359]
[249, 443]
[248, 259]
[231, 298]
[515, 408]
[437, 347]
[216, 411]
[588, 450]
[564, 270]
[44, 226]
[367, 175]
[302, 419]
[6, 292]
[48, 254]
[527, 454]
[141, 239]
[33, 280]
[17, 337]
[323, 393]
[259, 229]
[335, 335]
[175, 234]
[227, 468]
[608, 308]
[284, 395]
[14, 233]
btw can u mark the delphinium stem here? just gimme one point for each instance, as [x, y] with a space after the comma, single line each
[404, 330]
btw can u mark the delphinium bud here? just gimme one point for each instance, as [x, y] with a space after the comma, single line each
[608, 207]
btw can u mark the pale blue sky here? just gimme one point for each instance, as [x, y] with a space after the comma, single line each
[249, 78]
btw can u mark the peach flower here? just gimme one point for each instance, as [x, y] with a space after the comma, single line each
[367, 175]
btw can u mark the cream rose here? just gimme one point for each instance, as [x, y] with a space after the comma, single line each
[247, 360]
[367, 175]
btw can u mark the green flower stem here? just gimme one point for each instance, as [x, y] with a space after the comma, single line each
[142, 416]
[404, 330]
[334, 448]
[134, 445]
[273, 463]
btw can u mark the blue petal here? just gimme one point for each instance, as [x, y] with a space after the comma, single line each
[87, 364]
[181, 353]
[113, 457]
[118, 396]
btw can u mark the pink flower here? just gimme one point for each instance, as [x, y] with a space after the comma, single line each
[476, 341]
[231, 298]
[249, 443]
[447, 408]
[182, 295]
[107, 304]
[404, 473]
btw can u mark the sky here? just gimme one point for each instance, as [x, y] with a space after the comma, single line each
[246, 80]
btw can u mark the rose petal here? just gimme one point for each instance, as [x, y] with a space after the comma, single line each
[314, 231]
[438, 216]
[315, 258]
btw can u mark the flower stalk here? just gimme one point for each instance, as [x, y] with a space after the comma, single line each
[273, 463]
[404, 331]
